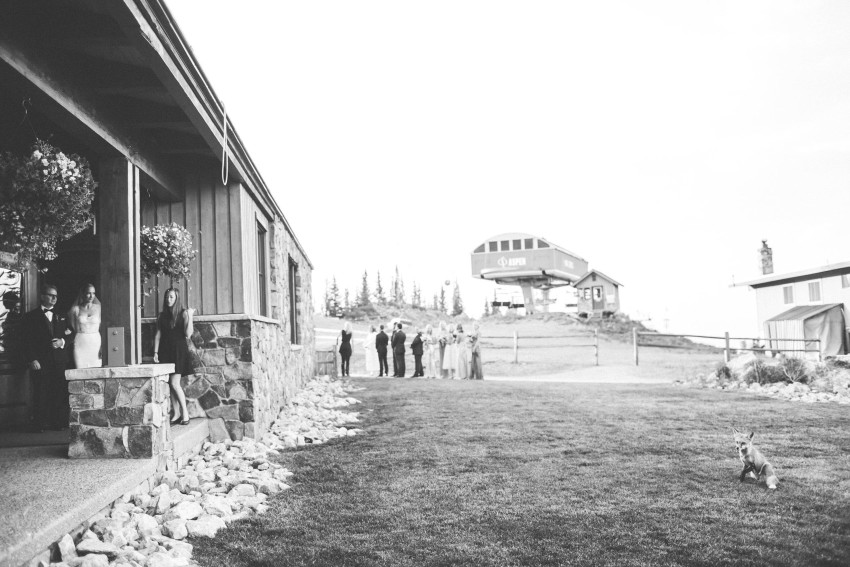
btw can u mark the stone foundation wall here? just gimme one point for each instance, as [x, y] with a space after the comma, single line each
[119, 412]
[245, 371]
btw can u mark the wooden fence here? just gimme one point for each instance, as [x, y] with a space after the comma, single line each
[326, 362]
[515, 344]
[727, 350]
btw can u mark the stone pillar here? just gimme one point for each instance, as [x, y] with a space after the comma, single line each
[119, 412]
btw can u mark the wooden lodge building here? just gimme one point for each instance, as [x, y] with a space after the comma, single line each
[115, 81]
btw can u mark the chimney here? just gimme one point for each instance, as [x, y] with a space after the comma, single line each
[766, 258]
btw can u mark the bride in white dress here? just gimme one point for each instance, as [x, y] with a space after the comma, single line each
[84, 317]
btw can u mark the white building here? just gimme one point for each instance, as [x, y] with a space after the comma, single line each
[809, 304]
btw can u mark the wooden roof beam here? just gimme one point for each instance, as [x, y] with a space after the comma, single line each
[76, 111]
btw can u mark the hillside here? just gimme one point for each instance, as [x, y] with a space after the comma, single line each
[548, 342]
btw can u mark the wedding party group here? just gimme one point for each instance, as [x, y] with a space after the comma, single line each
[48, 343]
[447, 353]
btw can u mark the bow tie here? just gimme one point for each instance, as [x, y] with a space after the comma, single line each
[46, 309]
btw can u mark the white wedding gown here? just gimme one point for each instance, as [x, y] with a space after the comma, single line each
[87, 341]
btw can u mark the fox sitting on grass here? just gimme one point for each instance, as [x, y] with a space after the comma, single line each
[754, 462]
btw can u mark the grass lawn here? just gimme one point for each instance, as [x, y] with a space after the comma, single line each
[500, 473]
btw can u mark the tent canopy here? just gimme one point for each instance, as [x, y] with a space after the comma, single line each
[810, 322]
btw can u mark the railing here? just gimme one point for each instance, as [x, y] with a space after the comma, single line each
[727, 350]
[516, 343]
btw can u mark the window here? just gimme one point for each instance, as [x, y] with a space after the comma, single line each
[517, 244]
[587, 293]
[593, 277]
[11, 310]
[506, 245]
[479, 250]
[788, 294]
[261, 269]
[529, 244]
[294, 301]
[494, 246]
[814, 291]
[542, 244]
[845, 280]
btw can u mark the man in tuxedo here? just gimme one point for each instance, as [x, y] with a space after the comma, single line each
[381, 342]
[46, 340]
[398, 350]
[417, 349]
[392, 345]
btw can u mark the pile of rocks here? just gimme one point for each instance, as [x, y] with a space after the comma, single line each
[224, 482]
[832, 384]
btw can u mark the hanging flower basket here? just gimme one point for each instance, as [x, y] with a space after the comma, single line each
[45, 198]
[166, 250]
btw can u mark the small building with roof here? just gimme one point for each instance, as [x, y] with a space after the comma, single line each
[807, 304]
[597, 293]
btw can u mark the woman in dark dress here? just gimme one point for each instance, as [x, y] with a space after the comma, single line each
[345, 348]
[173, 328]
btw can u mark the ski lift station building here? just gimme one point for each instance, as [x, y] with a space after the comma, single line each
[528, 261]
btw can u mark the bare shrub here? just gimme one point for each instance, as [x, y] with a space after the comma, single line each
[795, 370]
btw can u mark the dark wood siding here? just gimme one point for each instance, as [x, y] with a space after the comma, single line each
[211, 212]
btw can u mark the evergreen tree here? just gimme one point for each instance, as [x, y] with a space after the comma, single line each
[442, 305]
[380, 298]
[486, 307]
[326, 304]
[346, 303]
[363, 298]
[415, 300]
[333, 303]
[457, 302]
[436, 304]
[394, 287]
[401, 297]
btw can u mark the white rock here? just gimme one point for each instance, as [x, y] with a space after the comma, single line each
[185, 511]
[162, 559]
[169, 478]
[180, 549]
[67, 549]
[145, 523]
[188, 483]
[161, 503]
[205, 526]
[242, 490]
[95, 546]
[176, 529]
[217, 506]
[95, 560]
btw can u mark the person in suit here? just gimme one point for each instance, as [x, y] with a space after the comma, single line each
[46, 340]
[417, 349]
[392, 343]
[398, 350]
[345, 348]
[381, 342]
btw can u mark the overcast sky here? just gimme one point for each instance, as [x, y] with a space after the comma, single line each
[661, 141]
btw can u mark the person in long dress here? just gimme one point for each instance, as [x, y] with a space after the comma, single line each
[173, 329]
[430, 352]
[476, 367]
[450, 354]
[462, 354]
[345, 348]
[84, 319]
[443, 340]
[371, 351]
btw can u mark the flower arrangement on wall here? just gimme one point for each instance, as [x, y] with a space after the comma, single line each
[45, 198]
[166, 250]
